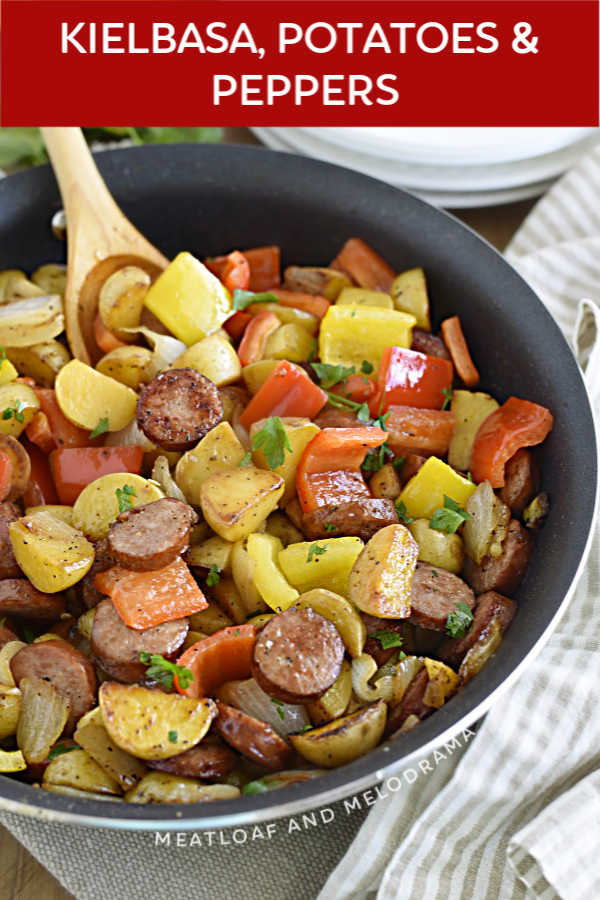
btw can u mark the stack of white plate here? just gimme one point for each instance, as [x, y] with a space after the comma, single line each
[452, 167]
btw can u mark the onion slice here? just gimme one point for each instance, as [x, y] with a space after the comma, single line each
[284, 718]
[35, 320]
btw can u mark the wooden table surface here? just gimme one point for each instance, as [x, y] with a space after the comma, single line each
[21, 877]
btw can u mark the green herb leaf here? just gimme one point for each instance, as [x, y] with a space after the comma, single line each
[366, 367]
[28, 635]
[315, 550]
[214, 576]
[329, 375]
[2, 355]
[255, 787]
[163, 670]
[470, 478]
[312, 352]
[307, 728]
[447, 392]
[399, 462]
[244, 299]
[459, 621]
[450, 518]
[387, 639]
[279, 705]
[403, 512]
[329, 527]
[363, 415]
[124, 496]
[245, 461]
[15, 412]
[100, 428]
[60, 749]
[173, 736]
[273, 440]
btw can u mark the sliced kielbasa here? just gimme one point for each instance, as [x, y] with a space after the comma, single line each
[20, 599]
[297, 656]
[356, 518]
[117, 647]
[434, 595]
[373, 645]
[412, 704]
[252, 738]
[430, 344]
[489, 606]
[411, 465]
[521, 481]
[505, 572]
[151, 536]
[9, 512]
[86, 592]
[207, 760]
[6, 636]
[332, 417]
[64, 667]
[177, 408]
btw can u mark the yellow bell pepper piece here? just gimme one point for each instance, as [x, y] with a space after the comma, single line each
[269, 580]
[291, 342]
[357, 296]
[213, 357]
[188, 299]
[321, 564]
[424, 493]
[7, 372]
[299, 432]
[351, 334]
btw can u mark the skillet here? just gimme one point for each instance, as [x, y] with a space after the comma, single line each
[210, 199]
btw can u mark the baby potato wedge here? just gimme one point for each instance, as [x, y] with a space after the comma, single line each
[42, 362]
[91, 734]
[59, 511]
[334, 702]
[152, 725]
[437, 547]
[86, 396]
[209, 620]
[51, 278]
[280, 526]
[339, 611]
[121, 300]
[213, 552]
[160, 787]
[385, 483]
[76, 792]
[98, 505]
[343, 740]
[242, 571]
[381, 579]
[471, 408]
[12, 761]
[53, 555]
[10, 710]
[300, 432]
[236, 502]
[290, 341]
[218, 451]
[213, 357]
[18, 406]
[77, 769]
[131, 366]
[6, 654]
[409, 293]
[230, 601]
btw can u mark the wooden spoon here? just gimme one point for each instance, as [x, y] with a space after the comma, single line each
[100, 238]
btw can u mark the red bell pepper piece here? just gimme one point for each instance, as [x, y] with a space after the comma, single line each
[64, 432]
[365, 267]
[310, 303]
[517, 423]
[264, 262]
[455, 342]
[427, 432]
[235, 325]
[105, 339]
[329, 470]
[41, 489]
[357, 388]
[288, 391]
[224, 656]
[409, 378]
[6, 470]
[74, 468]
[258, 329]
[236, 272]
[39, 433]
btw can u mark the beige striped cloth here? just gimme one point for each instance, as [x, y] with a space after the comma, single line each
[516, 812]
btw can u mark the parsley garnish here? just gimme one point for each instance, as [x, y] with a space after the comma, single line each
[245, 460]
[15, 412]
[173, 736]
[402, 511]
[329, 375]
[279, 706]
[450, 518]
[100, 428]
[28, 635]
[124, 496]
[315, 550]
[459, 621]
[273, 440]
[362, 410]
[2, 355]
[60, 749]
[243, 299]
[162, 670]
[470, 478]
[214, 576]
[375, 459]
[447, 392]
[312, 352]
[399, 462]
[387, 639]
[329, 527]
[366, 367]
[255, 787]
[306, 728]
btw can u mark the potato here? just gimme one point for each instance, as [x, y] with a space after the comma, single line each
[229, 600]
[242, 570]
[7, 372]
[443, 682]
[97, 505]
[44, 714]
[343, 740]
[192, 637]
[77, 769]
[10, 710]
[380, 581]
[214, 357]
[52, 554]
[437, 547]
[300, 432]
[471, 408]
[334, 702]
[6, 654]
[210, 620]
[339, 611]
[59, 511]
[85, 396]
[236, 502]
[42, 362]
[82, 795]
[305, 568]
[51, 278]
[18, 406]
[15, 285]
[385, 483]
[91, 734]
[357, 296]
[280, 526]
[218, 451]
[131, 366]
[160, 787]
[152, 725]
[259, 621]
[85, 622]
[12, 761]
[409, 293]
[213, 552]
[289, 315]
[256, 373]
[121, 300]
[291, 342]
[316, 280]
[269, 580]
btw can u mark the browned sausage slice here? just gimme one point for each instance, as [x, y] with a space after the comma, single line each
[297, 656]
[9, 512]
[521, 481]
[6, 636]
[435, 593]
[63, 666]
[430, 344]
[208, 759]
[151, 536]
[505, 573]
[373, 645]
[332, 417]
[87, 593]
[489, 606]
[356, 518]
[252, 738]
[177, 408]
[411, 465]
[411, 704]
[20, 599]
[117, 647]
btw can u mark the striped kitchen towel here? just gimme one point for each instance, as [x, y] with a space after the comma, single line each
[516, 812]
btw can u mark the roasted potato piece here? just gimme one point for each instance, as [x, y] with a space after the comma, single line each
[280, 526]
[289, 315]
[42, 362]
[91, 734]
[77, 769]
[160, 787]
[380, 581]
[269, 580]
[51, 278]
[15, 285]
[315, 280]
[291, 341]
[12, 761]
[121, 300]
[481, 651]
[442, 683]
[6, 654]
[21, 465]
[357, 296]
[437, 547]
[44, 714]
[229, 600]
[98, 505]
[385, 484]
[334, 701]
[18, 406]
[59, 511]
[242, 569]
[213, 357]
[192, 637]
[236, 502]
[409, 293]
[209, 620]
[339, 611]
[535, 514]
[131, 366]
[85, 795]
[213, 552]
[257, 373]
[219, 451]
[300, 432]
[85, 396]
[52, 554]
[321, 564]
[343, 740]
[10, 710]
[471, 408]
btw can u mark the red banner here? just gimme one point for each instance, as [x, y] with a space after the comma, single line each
[467, 62]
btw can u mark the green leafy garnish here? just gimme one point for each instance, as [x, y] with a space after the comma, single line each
[279, 705]
[402, 511]
[173, 736]
[273, 440]
[245, 460]
[307, 728]
[60, 749]
[2, 355]
[214, 576]
[366, 367]
[312, 354]
[450, 518]
[243, 299]
[399, 462]
[28, 635]
[100, 428]
[387, 639]
[315, 550]
[124, 496]
[162, 670]
[329, 527]
[15, 412]
[447, 392]
[255, 787]
[329, 375]
[459, 621]
[470, 478]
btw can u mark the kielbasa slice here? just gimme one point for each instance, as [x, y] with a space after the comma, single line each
[356, 518]
[297, 656]
[151, 536]
[521, 481]
[412, 704]
[434, 595]
[332, 417]
[430, 344]
[489, 606]
[207, 760]
[20, 599]
[373, 645]
[177, 408]
[252, 738]
[87, 593]
[9, 512]
[64, 667]
[6, 636]
[411, 465]
[504, 573]
[117, 647]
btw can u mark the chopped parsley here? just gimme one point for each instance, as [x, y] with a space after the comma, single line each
[450, 518]
[447, 392]
[124, 496]
[255, 787]
[214, 576]
[329, 527]
[273, 440]
[245, 460]
[366, 367]
[243, 299]
[315, 550]
[279, 705]
[173, 736]
[100, 428]
[402, 511]
[375, 459]
[470, 478]
[15, 412]
[3, 356]
[163, 671]
[459, 621]
[28, 635]
[312, 354]
[59, 749]
[387, 639]
[399, 462]
[361, 409]
[329, 375]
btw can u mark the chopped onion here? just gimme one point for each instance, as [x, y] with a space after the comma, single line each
[484, 532]
[6, 654]
[391, 682]
[166, 348]
[130, 436]
[442, 683]
[35, 320]
[284, 718]
[44, 714]
[161, 473]
[483, 648]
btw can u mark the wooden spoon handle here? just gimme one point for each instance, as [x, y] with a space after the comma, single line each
[78, 177]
